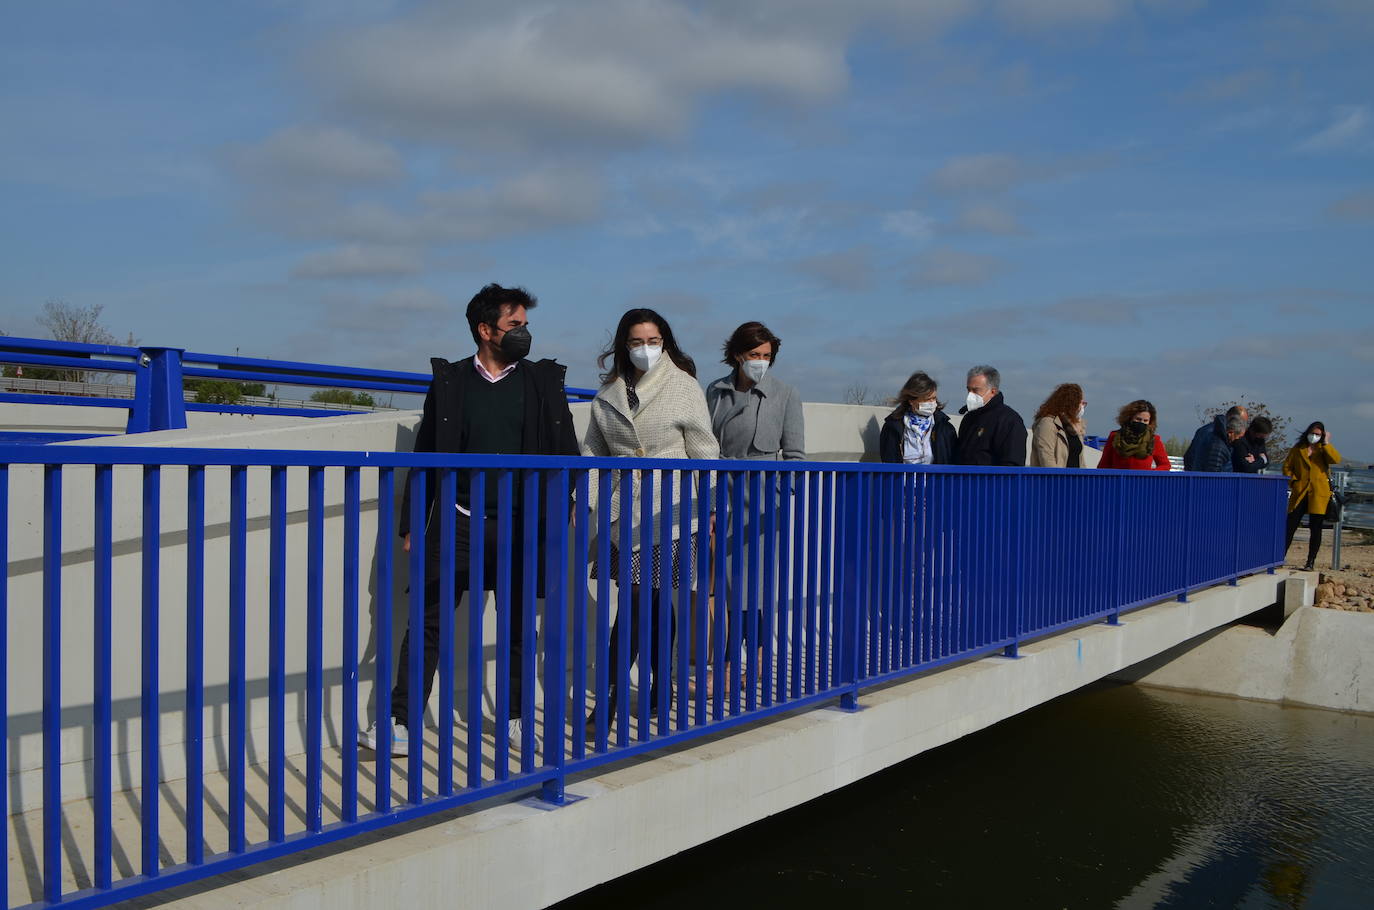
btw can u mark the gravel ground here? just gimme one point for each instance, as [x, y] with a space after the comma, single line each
[1351, 587]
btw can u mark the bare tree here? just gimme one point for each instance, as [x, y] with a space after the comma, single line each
[66, 322]
[856, 394]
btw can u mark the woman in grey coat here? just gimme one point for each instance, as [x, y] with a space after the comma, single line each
[758, 417]
[753, 414]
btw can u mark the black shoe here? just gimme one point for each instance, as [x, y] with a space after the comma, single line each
[1309, 568]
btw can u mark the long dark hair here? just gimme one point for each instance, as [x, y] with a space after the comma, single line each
[918, 385]
[1314, 425]
[618, 355]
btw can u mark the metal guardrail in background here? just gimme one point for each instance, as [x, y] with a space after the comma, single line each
[1358, 512]
[834, 578]
[159, 401]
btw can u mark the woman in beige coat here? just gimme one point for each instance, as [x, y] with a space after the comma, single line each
[1057, 434]
[649, 406]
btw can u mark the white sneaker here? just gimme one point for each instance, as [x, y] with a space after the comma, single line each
[515, 733]
[400, 738]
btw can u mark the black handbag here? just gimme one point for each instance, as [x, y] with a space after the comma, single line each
[1333, 508]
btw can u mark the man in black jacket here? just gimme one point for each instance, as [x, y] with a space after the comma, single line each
[1250, 453]
[495, 402]
[990, 433]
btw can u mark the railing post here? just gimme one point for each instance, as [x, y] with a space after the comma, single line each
[851, 566]
[159, 403]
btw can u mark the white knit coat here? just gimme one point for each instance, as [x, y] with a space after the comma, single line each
[671, 422]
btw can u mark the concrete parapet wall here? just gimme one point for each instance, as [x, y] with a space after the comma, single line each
[1319, 658]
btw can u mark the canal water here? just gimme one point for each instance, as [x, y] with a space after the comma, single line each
[1114, 796]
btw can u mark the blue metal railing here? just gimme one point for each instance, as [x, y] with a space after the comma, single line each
[827, 579]
[159, 403]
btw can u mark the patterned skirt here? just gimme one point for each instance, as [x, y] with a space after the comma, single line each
[636, 565]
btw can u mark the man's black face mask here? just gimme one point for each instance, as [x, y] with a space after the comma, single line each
[515, 344]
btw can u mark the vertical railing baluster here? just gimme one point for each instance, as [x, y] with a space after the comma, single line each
[732, 615]
[529, 590]
[827, 554]
[663, 648]
[381, 683]
[582, 517]
[103, 681]
[555, 641]
[721, 620]
[418, 481]
[768, 624]
[477, 598]
[784, 561]
[238, 656]
[643, 609]
[624, 616]
[700, 622]
[5, 698]
[601, 660]
[276, 658]
[448, 527]
[751, 603]
[798, 604]
[152, 555]
[683, 622]
[314, 651]
[349, 658]
[52, 683]
[812, 576]
[195, 663]
[504, 540]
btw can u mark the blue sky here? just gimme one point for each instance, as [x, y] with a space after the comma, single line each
[1169, 199]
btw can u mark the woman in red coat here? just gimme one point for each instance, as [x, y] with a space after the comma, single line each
[1135, 446]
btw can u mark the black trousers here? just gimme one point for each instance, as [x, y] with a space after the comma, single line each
[618, 631]
[400, 693]
[1315, 523]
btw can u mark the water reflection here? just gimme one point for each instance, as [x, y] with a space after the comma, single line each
[1116, 796]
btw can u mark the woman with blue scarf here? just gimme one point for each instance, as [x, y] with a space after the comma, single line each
[917, 431]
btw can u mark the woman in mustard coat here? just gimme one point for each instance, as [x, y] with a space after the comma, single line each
[1308, 467]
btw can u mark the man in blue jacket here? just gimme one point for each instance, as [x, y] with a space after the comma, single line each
[1210, 449]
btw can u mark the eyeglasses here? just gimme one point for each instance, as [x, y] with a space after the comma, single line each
[641, 342]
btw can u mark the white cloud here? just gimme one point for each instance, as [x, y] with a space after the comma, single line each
[357, 262]
[909, 223]
[319, 154]
[988, 218]
[847, 270]
[989, 173]
[597, 73]
[944, 266]
[529, 203]
[1351, 130]
[1046, 14]
[1356, 206]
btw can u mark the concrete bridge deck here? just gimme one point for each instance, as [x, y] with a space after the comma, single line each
[515, 852]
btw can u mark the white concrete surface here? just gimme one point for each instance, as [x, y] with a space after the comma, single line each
[1318, 658]
[517, 855]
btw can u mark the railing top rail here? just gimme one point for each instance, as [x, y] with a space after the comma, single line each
[197, 364]
[177, 456]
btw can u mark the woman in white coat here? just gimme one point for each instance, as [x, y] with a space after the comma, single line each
[649, 406]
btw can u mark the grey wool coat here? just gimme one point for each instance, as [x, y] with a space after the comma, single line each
[768, 416]
[671, 422]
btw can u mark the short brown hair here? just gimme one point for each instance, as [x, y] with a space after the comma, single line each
[746, 338]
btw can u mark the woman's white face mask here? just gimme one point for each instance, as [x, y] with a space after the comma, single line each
[754, 370]
[1314, 438]
[926, 408]
[645, 356]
